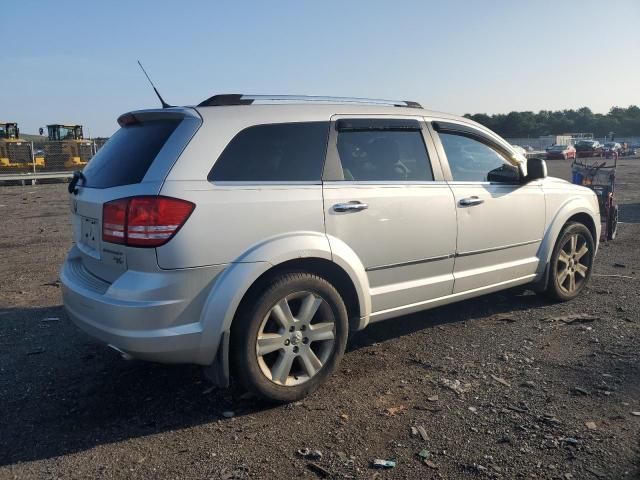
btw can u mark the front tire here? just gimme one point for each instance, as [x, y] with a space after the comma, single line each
[571, 262]
[289, 338]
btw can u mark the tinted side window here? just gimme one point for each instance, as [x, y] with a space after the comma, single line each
[384, 155]
[285, 152]
[128, 154]
[472, 161]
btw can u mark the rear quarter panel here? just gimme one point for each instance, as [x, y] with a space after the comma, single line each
[231, 218]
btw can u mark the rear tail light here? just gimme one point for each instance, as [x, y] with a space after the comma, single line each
[114, 221]
[144, 221]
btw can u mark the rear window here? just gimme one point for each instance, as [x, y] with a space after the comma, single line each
[278, 152]
[126, 157]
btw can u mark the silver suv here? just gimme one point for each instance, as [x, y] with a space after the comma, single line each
[250, 234]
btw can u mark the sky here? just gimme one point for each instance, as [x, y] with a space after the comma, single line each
[75, 62]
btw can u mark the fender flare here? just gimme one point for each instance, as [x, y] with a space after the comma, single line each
[348, 260]
[571, 207]
[230, 288]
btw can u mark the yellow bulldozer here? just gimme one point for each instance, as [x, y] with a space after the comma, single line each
[66, 148]
[15, 153]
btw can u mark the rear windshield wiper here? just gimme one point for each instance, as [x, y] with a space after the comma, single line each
[77, 176]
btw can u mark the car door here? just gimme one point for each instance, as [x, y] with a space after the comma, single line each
[500, 218]
[385, 198]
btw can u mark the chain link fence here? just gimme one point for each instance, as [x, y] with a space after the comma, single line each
[21, 157]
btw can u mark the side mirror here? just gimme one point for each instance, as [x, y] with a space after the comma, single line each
[536, 169]
[505, 174]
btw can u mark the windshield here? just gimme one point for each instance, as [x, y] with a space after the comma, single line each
[60, 132]
[8, 131]
[558, 147]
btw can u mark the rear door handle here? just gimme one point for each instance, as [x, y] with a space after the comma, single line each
[353, 206]
[470, 201]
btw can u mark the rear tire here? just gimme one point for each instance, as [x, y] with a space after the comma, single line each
[289, 338]
[571, 262]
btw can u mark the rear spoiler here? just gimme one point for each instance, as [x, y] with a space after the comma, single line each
[172, 113]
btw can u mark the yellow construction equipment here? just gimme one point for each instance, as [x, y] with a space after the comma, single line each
[66, 147]
[15, 153]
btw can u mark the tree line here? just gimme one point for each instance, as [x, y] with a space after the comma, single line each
[622, 121]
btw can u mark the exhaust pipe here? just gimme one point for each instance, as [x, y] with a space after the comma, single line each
[124, 355]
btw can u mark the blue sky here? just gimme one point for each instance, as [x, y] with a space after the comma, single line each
[68, 61]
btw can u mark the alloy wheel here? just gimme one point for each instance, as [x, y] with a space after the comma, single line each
[296, 338]
[574, 262]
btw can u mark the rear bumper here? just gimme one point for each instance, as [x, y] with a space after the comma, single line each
[151, 316]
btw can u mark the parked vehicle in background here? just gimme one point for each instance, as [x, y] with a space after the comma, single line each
[66, 148]
[626, 150]
[611, 150]
[15, 153]
[251, 234]
[612, 146]
[588, 148]
[563, 152]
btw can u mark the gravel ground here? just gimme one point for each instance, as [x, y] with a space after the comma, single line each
[505, 386]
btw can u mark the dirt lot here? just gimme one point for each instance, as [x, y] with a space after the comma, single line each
[539, 396]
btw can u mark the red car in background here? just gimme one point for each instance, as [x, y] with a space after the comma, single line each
[563, 152]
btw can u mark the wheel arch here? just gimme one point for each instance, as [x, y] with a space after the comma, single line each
[587, 220]
[576, 209]
[322, 267]
[299, 251]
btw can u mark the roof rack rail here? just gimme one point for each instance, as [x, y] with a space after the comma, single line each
[240, 99]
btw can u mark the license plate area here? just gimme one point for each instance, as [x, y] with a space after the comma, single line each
[90, 237]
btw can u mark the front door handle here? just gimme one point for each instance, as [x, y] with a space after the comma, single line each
[353, 206]
[470, 201]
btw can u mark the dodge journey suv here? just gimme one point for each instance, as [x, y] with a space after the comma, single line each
[251, 234]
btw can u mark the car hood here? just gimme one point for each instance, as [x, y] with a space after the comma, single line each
[553, 180]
